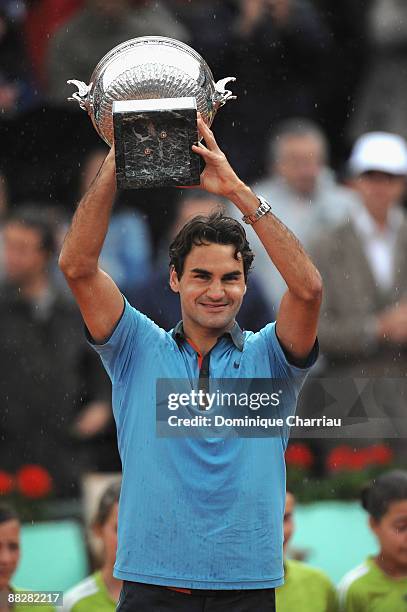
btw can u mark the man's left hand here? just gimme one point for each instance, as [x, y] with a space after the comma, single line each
[218, 176]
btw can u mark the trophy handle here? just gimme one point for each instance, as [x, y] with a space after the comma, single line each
[222, 95]
[81, 96]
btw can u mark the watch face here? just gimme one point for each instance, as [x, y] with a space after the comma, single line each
[263, 203]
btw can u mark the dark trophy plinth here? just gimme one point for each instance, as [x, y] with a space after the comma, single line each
[153, 143]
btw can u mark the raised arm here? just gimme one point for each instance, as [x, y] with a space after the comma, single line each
[297, 318]
[98, 298]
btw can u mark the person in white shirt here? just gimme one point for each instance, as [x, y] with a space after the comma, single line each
[302, 191]
[363, 262]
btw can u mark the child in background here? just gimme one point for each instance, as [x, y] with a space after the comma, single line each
[100, 592]
[305, 589]
[9, 560]
[380, 583]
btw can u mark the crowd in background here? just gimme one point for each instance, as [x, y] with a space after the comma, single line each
[380, 580]
[312, 78]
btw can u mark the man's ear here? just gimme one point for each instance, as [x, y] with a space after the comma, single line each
[373, 524]
[174, 282]
[245, 289]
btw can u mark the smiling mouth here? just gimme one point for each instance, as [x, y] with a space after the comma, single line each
[214, 306]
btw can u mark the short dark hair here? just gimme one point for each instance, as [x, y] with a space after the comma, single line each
[39, 219]
[110, 496]
[7, 513]
[382, 491]
[215, 228]
[298, 127]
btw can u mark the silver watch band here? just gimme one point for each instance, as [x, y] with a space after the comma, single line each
[262, 210]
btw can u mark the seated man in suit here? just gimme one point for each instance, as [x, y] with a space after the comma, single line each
[363, 327]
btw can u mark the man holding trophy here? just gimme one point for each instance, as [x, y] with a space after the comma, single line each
[200, 518]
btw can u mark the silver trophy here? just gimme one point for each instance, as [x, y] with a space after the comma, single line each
[144, 95]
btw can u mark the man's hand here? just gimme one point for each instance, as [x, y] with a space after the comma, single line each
[93, 420]
[218, 176]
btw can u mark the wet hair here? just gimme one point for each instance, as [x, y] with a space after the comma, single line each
[215, 228]
[39, 219]
[109, 497]
[382, 491]
[297, 127]
[7, 513]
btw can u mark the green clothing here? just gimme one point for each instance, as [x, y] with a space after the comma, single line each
[90, 595]
[305, 589]
[368, 589]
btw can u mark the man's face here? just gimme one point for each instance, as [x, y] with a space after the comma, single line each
[9, 551]
[391, 531]
[24, 257]
[288, 518]
[211, 287]
[300, 161]
[379, 190]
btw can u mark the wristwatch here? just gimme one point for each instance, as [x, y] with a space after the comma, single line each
[262, 210]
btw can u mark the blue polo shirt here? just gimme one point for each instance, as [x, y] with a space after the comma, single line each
[195, 512]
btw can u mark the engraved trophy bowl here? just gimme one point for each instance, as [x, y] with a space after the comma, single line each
[149, 67]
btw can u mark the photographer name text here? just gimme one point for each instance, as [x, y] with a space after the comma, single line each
[248, 421]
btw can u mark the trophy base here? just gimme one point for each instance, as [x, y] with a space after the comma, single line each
[153, 140]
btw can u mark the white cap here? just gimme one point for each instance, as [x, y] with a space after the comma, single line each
[379, 151]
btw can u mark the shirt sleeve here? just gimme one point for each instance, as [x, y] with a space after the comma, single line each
[350, 597]
[287, 377]
[279, 361]
[133, 332]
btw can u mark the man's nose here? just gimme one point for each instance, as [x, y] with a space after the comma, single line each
[215, 291]
[5, 556]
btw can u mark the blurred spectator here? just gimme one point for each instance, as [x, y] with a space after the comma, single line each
[126, 253]
[101, 590]
[343, 65]
[363, 263]
[210, 25]
[16, 90]
[380, 582]
[3, 212]
[9, 560]
[79, 44]
[276, 49]
[54, 394]
[3, 196]
[43, 18]
[381, 100]
[305, 588]
[302, 192]
[157, 300]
